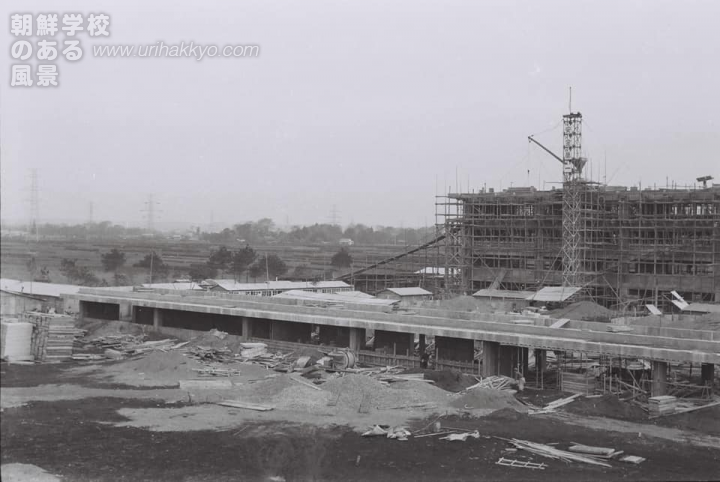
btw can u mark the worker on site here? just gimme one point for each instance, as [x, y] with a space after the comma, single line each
[520, 380]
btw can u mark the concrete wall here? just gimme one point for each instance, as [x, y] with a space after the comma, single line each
[11, 304]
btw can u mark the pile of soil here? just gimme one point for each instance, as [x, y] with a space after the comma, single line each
[487, 398]
[449, 380]
[157, 368]
[706, 420]
[507, 414]
[350, 390]
[606, 406]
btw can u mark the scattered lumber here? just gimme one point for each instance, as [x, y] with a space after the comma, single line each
[553, 453]
[520, 463]
[692, 409]
[247, 406]
[561, 402]
[314, 387]
[493, 382]
[590, 450]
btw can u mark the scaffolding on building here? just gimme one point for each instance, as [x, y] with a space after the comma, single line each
[638, 245]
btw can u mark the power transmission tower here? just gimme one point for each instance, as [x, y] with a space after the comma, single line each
[34, 203]
[150, 212]
[334, 216]
[573, 164]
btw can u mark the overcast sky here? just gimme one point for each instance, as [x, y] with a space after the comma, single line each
[371, 106]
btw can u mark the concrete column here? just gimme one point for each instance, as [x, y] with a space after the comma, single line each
[157, 318]
[540, 360]
[524, 362]
[247, 328]
[491, 351]
[357, 339]
[82, 307]
[659, 378]
[422, 344]
[125, 311]
[707, 373]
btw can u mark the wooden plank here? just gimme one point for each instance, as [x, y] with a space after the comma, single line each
[560, 323]
[248, 406]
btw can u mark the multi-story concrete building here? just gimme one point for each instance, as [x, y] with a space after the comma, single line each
[636, 246]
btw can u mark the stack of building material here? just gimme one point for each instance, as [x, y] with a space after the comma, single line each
[53, 336]
[15, 341]
[583, 383]
[662, 405]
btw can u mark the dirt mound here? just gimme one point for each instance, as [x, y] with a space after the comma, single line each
[157, 368]
[350, 391]
[583, 310]
[449, 380]
[507, 414]
[482, 398]
[606, 406]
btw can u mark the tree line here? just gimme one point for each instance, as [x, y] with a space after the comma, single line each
[242, 265]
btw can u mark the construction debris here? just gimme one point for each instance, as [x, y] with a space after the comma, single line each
[494, 382]
[520, 463]
[461, 437]
[553, 453]
[552, 406]
[397, 433]
[247, 406]
[597, 451]
[633, 459]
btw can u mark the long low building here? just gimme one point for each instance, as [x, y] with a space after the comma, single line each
[504, 337]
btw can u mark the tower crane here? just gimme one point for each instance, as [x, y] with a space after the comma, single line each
[573, 164]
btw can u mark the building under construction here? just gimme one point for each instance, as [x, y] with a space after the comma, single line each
[635, 246]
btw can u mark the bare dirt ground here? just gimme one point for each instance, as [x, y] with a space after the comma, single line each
[116, 432]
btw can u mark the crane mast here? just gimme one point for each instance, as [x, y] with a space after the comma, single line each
[573, 164]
